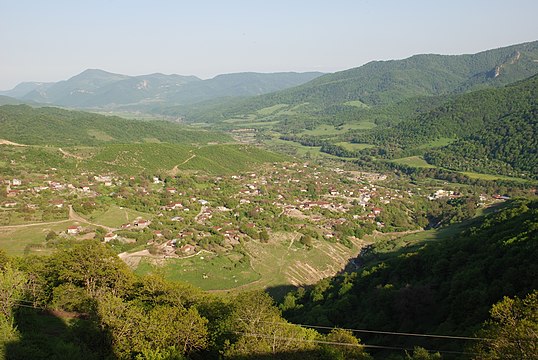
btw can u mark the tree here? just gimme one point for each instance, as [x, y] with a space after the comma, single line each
[306, 240]
[342, 345]
[261, 330]
[264, 236]
[420, 353]
[120, 320]
[93, 266]
[3, 259]
[12, 282]
[512, 332]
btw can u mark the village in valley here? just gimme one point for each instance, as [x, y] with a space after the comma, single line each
[157, 220]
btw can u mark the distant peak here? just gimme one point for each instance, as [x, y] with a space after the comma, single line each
[98, 72]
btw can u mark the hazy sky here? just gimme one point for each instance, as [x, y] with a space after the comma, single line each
[51, 40]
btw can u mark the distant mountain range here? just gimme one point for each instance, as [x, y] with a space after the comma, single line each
[375, 83]
[387, 82]
[99, 89]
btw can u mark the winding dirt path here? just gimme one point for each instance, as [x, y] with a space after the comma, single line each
[67, 154]
[7, 142]
[175, 170]
[76, 217]
[33, 224]
[73, 216]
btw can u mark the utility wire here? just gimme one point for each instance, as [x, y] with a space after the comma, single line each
[379, 332]
[319, 341]
[345, 344]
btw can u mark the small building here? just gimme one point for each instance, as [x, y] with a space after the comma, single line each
[16, 182]
[141, 223]
[12, 193]
[110, 236]
[57, 203]
[174, 206]
[187, 249]
[73, 230]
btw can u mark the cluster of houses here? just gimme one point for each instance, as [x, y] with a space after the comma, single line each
[323, 198]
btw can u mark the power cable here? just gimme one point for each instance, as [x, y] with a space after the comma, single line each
[395, 333]
[346, 344]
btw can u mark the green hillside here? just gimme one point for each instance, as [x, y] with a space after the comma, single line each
[497, 132]
[131, 159]
[385, 82]
[54, 126]
[153, 158]
[444, 285]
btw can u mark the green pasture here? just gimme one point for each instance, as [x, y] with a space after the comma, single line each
[207, 270]
[353, 146]
[14, 240]
[271, 109]
[413, 161]
[480, 176]
[115, 216]
[357, 103]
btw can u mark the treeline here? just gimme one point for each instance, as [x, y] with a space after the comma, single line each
[444, 287]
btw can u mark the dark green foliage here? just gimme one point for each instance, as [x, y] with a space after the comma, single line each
[102, 311]
[497, 131]
[446, 287]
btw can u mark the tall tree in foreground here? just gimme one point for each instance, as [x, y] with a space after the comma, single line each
[512, 332]
[12, 282]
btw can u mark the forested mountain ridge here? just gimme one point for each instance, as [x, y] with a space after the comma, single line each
[94, 88]
[386, 82]
[496, 131]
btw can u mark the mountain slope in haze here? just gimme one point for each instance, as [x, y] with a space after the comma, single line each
[386, 82]
[100, 89]
[7, 100]
[54, 126]
[25, 88]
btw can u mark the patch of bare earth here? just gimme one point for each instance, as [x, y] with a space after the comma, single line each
[133, 259]
[7, 142]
